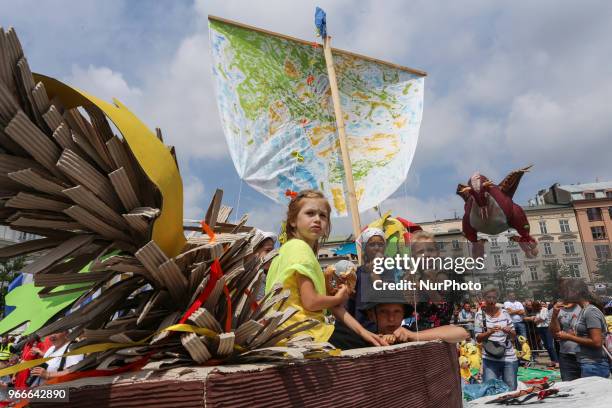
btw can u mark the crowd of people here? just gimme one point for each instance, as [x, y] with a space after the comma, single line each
[493, 337]
[572, 331]
[14, 350]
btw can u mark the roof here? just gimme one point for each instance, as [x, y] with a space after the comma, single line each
[577, 188]
[545, 207]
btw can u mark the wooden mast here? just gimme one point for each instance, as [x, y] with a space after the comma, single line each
[346, 159]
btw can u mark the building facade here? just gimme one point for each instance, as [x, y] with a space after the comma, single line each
[554, 227]
[592, 204]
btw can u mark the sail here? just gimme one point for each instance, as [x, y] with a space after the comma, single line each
[278, 119]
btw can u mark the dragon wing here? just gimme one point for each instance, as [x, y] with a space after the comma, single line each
[509, 184]
[461, 191]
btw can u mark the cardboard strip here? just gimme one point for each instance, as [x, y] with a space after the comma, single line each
[8, 103]
[102, 133]
[121, 182]
[34, 179]
[36, 202]
[39, 94]
[48, 279]
[88, 200]
[95, 224]
[121, 158]
[90, 151]
[45, 224]
[52, 117]
[85, 174]
[137, 223]
[5, 70]
[175, 279]
[226, 344]
[196, 348]
[63, 136]
[58, 253]
[34, 141]
[203, 318]
[213, 209]
[10, 163]
[25, 86]
[27, 247]
[151, 257]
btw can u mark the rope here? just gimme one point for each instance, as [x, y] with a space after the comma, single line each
[238, 201]
[414, 301]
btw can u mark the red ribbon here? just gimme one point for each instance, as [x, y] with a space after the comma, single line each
[133, 366]
[215, 274]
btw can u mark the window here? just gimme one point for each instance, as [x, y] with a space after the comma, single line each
[602, 251]
[564, 225]
[455, 244]
[543, 229]
[494, 240]
[547, 248]
[594, 214]
[598, 232]
[22, 236]
[610, 212]
[589, 196]
[574, 270]
[514, 259]
[569, 247]
[533, 270]
[497, 259]
[608, 194]
[440, 245]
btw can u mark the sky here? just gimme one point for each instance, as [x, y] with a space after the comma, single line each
[509, 84]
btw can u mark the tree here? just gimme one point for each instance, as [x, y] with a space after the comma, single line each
[8, 269]
[550, 285]
[604, 273]
[510, 281]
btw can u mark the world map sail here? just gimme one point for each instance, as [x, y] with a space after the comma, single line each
[278, 119]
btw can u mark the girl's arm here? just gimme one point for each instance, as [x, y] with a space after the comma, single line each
[594, 340]
[449, 334]
[314, 302]
[349, 321]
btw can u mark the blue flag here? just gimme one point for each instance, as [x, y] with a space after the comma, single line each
[321, 22]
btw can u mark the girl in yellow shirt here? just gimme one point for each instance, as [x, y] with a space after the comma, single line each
[296, 267]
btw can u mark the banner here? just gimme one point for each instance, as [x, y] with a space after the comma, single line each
[277, 115]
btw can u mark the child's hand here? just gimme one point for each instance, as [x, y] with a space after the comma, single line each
[343, 294]
[373, 339]
[389, 338]
[404, 335]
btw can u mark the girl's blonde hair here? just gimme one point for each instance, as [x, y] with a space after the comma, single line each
[295, 205]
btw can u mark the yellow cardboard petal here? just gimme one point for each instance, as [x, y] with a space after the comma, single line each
[152, 155]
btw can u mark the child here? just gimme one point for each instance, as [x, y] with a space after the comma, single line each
[296, 267]
[524, 354]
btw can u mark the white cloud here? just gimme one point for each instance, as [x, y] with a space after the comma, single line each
[508, 85]
[105, 84]
[193, 198]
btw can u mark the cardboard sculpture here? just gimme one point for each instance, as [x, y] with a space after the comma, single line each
[118, 271]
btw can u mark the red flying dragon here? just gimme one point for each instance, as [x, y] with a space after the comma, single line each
[489, 209]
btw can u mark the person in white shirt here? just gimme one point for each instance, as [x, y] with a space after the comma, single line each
[516, 311]
[541, 320]
[59, 365]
